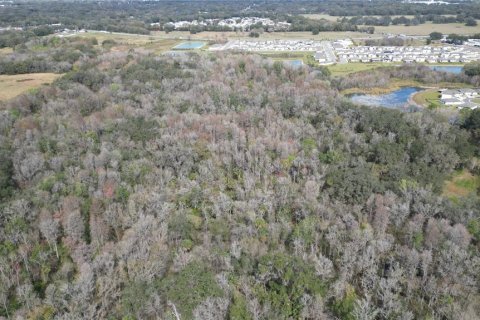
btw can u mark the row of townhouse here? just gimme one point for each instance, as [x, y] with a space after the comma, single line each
[232, 23]
[408, 54]
[274, 45]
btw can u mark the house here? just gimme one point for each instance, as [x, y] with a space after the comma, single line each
[452, 102]
[461, 98]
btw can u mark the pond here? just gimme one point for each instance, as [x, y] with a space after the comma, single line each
[449, 69]
[189, 45]
[398, 99]
[293, 63]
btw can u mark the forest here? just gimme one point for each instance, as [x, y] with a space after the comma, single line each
[137, 16]
[229, 186]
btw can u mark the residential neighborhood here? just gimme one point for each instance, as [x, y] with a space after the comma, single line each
[420, 54]
[272, 45]
[460, 98]
[235, 23]
[343, 51]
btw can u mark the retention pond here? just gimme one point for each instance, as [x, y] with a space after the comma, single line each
[449, 69]
[398, 99]
[190, 45]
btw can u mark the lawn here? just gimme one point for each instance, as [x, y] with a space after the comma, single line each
[12, 86]
[306, 57]
[462, 184]
[429, 97]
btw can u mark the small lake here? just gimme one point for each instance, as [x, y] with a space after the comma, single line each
[293, 63]
[449, 69]
[397, 99]
[189, 45]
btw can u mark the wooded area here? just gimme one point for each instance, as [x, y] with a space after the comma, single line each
[213, 186]
[137, 183]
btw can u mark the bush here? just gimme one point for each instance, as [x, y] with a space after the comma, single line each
[139, 129]
[285, 281]
[471, 22]
[187, 288]
[436, 36]
[472, 69]
[352, 185]
[6, 174]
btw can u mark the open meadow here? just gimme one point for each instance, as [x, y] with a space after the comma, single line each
[427, 28]
[418, 30]
[462, 184]
[134, 39]
[342, 69]
[14, 85]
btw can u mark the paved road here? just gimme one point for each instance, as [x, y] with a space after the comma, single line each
[329, 52]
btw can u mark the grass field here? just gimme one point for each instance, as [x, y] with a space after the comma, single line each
[427, 98]
[129, 41]
[223, 36]
[5, 50]
[347, 68]
[12, 86]
[462, 184]
[419, 30]
[160, 41]
[319, 16]
[427, 28]
[123, 38]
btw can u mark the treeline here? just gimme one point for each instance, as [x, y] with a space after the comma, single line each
[12, 38]
[392, 8]
[402, 20]
[47, 55]
[137, 16]
[300, 23]
[222, 186]
[396, 41]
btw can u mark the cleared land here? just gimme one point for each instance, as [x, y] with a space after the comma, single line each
[160, 41]
[462, 184]
[125, 41]
[419, 30]
[319, 16]
[300, 35]
[427, 28]
[5, 50]
[12, 86]
[347, 68]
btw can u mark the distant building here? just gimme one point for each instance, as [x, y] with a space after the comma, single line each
[461, 98]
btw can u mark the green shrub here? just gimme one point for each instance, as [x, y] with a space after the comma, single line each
[189, 287]
[343, 308]
[238, 308]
